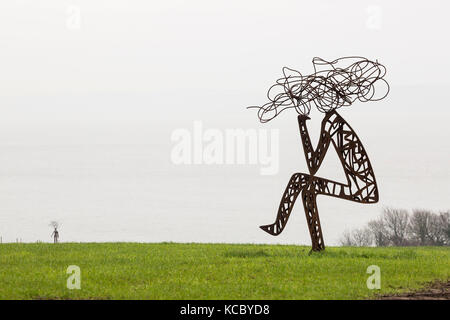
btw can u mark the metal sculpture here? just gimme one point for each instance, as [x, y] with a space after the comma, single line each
[332, 85]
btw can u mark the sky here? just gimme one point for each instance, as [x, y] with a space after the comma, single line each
[92, 91]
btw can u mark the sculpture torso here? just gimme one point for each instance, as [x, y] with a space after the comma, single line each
[361, 183]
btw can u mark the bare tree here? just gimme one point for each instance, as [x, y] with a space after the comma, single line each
[446, 222]
[419, 227]
[395, 227]
[379, 232]
[362, 237]
[347, 239]
[396, 224]
[439, 224]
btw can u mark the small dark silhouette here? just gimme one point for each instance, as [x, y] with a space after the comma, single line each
[332, 85]
[55, 233]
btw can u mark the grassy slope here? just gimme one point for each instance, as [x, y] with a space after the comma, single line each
[212, 271]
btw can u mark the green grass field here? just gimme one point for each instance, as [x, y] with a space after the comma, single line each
[212, 271]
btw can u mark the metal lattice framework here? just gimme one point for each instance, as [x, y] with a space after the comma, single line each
[361, 185]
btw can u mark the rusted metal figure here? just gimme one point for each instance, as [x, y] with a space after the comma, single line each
[340, 87]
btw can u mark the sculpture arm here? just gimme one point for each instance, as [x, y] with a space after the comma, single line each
[314, 157]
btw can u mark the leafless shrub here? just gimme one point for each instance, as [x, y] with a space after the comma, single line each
[357, 238]
[362, 237]
[347, 240]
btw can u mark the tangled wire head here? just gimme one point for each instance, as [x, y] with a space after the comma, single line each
[333, 84]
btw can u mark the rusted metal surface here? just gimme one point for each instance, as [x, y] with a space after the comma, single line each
[328, 89]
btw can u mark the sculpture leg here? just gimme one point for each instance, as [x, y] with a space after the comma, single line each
[310, 187]
[293, 189]
[312, 218]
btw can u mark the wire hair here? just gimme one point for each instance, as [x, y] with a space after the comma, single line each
[334, 84]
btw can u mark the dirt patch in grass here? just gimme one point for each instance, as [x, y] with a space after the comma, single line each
[435, 291]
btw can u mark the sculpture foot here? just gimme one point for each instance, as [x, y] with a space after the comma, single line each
[270, 229]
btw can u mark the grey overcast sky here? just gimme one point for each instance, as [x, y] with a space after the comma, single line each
[78, 76]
